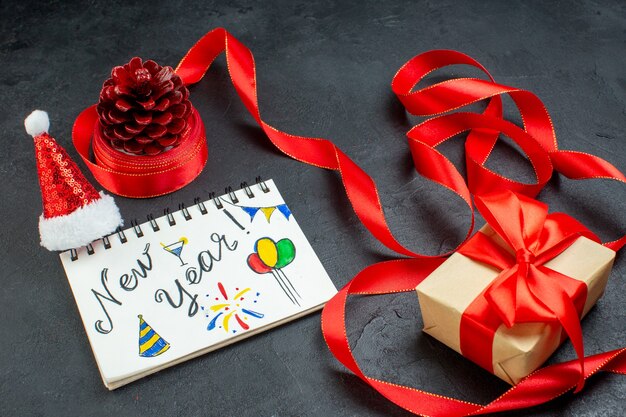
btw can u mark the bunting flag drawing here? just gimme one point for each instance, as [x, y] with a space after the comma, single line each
[150, 343]
[267, 211]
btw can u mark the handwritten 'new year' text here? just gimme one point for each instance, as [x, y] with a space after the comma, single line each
[127, 281]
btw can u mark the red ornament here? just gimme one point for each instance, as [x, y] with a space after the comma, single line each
[143, 108]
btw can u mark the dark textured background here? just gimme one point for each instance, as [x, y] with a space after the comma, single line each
[324, 69]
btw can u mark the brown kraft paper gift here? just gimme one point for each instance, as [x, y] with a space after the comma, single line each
[517, 351]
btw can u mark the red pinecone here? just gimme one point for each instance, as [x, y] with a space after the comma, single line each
[143, 108]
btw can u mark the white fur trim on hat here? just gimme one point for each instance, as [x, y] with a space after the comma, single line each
[84, 225]
[37, 123]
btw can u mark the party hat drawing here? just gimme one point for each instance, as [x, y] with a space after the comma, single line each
[150, 343]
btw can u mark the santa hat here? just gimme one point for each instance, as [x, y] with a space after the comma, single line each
[74, 213]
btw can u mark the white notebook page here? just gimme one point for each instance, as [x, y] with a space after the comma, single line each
[195, 286]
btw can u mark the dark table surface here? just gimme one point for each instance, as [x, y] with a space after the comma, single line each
[324, 69]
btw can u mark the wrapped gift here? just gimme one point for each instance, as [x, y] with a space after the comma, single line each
[505, 298]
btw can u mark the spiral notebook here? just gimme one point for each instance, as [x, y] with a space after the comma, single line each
[194, 280]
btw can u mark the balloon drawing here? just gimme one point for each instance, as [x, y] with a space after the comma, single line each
[272, 257]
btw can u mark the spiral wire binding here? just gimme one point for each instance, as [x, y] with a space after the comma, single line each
[170, 217]
[121, 235]
[231, 194]
[244, 186]
[259, 181]
[136, 227]
[184, 210]
[216, 200]
[201, 206]
[153, 223]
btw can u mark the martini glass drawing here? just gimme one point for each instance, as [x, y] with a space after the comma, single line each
[176, 249]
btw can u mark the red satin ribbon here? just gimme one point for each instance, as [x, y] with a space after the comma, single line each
[141, 176]
[525, 291]
[402, 275]
[537, 140]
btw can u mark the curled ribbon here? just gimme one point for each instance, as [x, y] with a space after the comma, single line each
[537, 140]
[402, 275]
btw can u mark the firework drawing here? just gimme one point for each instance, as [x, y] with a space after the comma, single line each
[231, 313]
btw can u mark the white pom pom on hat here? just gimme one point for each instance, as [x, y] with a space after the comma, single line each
[37, 123]
[74, 213]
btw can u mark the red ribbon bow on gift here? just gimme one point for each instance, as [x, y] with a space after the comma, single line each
[526, 291]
